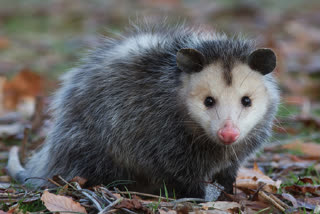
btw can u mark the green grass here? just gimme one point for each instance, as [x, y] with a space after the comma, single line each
[166, 191]
[129, 195]
[119, 182]
[286, 111]
[155, 205]
[35, 206]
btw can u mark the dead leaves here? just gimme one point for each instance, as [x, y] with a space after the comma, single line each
[4, 42]
[25, 86]
[254, 179]
[58, 203]
[230, 207]
[310, 150]
[304, 189]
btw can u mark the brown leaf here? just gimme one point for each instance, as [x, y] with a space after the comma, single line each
[254, 178]
[253, 205]
[24, 85]
[303, 189]
[129, 204]
[221, 205]
[306, 180]
[57, 203]
[309, 149]
[81, 181]
[4, 42]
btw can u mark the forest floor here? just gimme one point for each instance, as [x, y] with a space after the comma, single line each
[40, 40]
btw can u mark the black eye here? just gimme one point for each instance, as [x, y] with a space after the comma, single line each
[246, 101]
[209, 102]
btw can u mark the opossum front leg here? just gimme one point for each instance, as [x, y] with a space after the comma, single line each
[226, 178]
[190, 190]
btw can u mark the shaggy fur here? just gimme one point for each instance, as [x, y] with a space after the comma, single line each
[120, 116]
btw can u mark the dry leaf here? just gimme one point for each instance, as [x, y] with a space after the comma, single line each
[129, 204]
[311, 150]
[4, 42]
[221, 205]
[81, 181]
[303, 189]
[254, 178]
[161, 211]
[56, 203]
[11, 129]
[25, 84]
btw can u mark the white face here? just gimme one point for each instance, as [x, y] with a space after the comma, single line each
[228, 99]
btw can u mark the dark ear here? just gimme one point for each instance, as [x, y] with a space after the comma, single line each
[262, 60]
[190, 60]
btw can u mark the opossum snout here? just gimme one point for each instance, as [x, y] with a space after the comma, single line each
[229, 133]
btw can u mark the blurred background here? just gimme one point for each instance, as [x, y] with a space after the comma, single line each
[40, 40]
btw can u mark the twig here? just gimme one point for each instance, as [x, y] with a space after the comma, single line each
[84, 192]
[38, 114]
[225, 193]
[255, 195]
[53, 182]
[105, 190]
[23, 150]
[92, 198]
[279, 201]
[108, 192]
[146, 195]
[272, 201]
[106, 209]
[187, 200]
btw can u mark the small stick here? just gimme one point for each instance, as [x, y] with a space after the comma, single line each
[38, 114]
[24, 144]
[85, 193]
[279, 201]
[115, 198]
[187, 200]
[268, 198]
[146, 195]
[55, 183]
[106, 209]
[96, 203]
[108, 193]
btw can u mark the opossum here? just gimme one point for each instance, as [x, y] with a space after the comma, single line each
[174, 106]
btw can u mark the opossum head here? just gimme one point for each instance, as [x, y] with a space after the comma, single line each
[227, 101]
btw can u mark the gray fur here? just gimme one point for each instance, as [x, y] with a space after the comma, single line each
[118, 116]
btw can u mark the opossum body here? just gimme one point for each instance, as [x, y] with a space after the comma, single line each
[161, 105]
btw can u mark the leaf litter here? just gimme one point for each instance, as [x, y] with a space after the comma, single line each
[284, 177]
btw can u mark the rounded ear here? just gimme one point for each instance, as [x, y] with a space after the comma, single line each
[262, 60]
[190, 60]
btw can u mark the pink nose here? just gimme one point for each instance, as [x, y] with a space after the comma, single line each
[229, 133]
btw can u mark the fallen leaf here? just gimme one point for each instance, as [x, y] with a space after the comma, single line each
[11, 129]
[129, 204]
[309, 149]
[4, 42]
[253, 206]
[254, 178]
[5, 178]
[303, 189]
[58, 203]
[161, 211]
[81, 181]
[221, 205]
[306, 180]
[25, 84]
